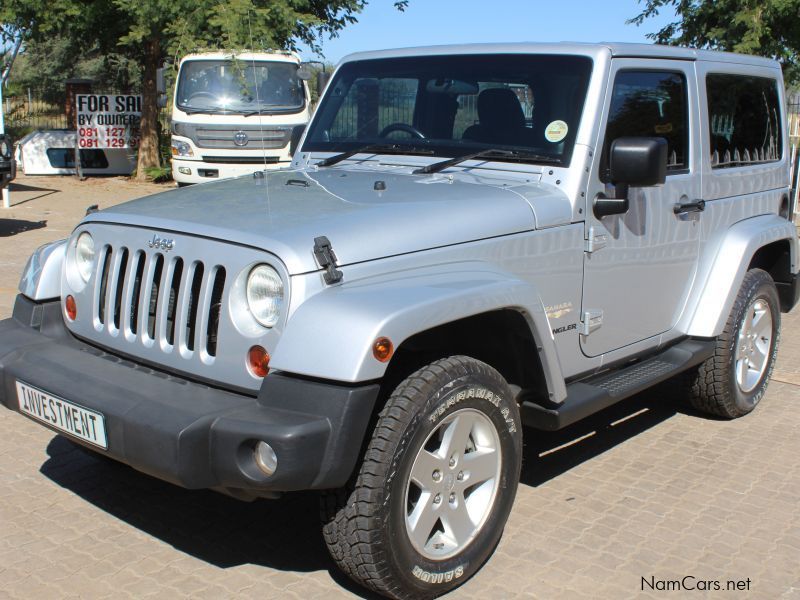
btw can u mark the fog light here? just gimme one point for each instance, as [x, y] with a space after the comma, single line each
[265, 458]
[184, 170]
[72, 308]
[382, 349]
[258, 361]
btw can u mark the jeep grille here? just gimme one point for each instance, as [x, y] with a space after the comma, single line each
[168, 305]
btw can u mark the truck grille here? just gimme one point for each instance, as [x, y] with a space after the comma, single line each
[172, 308]
[223, 136]
[161, 299]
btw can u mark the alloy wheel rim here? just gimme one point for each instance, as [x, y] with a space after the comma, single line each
[753, 346]
[453, 483]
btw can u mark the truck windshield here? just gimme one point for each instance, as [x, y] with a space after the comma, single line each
[455, 105]
[227, 86]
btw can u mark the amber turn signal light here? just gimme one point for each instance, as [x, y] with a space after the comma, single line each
[382, 349]
[258, 361]
[72, 308]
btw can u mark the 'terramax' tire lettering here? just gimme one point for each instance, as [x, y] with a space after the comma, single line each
[445, 577]
[470, 393]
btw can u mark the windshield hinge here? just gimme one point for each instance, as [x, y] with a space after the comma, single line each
[592, 320]
[323, 252]
[596, 240]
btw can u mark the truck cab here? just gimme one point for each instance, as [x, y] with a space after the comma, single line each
[234, 114]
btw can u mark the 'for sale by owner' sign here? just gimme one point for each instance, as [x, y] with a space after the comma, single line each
[108, 121]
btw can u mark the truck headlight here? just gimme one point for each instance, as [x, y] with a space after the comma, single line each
[84, 255]
[5, 148]
[265, 294]
[180, 148]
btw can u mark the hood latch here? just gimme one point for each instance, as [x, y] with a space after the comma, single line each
[323, 252]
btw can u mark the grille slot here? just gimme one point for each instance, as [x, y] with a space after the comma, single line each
[152, 296]
[123, 264]
[134, 297]
[194, 300]
[172, 307]
[214, 311]
[104, 266]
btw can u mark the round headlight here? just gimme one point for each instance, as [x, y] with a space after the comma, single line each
[5, 149]
[84, 255]
[265, 294]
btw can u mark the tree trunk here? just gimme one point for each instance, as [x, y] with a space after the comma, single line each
[148, 147]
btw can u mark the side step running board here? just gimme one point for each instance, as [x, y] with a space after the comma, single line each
[601, 391]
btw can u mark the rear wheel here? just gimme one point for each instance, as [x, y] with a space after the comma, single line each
[732, 382]
[437, 483]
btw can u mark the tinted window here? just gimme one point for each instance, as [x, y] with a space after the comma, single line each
[744, 119]
[456, 104]
[64, 158]
[651, 104]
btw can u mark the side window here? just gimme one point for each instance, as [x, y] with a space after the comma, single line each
[372, 104]
[651, 104]
[744, 120]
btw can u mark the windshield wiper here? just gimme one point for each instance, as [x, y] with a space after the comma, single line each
[202, 111]
[373, 149]
[278, 108]
[516, 155]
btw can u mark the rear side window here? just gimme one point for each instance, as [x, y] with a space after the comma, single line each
[651, 104]
[744, 120]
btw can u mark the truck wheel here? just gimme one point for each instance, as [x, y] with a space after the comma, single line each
[732, 382]
[436, 485]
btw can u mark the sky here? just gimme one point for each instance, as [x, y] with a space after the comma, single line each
[427, 22]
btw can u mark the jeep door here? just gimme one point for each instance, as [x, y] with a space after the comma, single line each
[640, 265]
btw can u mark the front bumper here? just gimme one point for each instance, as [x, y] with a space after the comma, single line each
[184, 432]
[201, 172]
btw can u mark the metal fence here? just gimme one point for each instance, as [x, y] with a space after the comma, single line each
[793, 110]
[31, 111]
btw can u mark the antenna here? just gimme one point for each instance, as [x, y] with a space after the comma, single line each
[260, 120]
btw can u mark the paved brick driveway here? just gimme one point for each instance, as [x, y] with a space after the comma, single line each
[649, 490]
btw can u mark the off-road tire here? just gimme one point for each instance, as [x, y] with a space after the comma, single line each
[712, 387]
[366, 533]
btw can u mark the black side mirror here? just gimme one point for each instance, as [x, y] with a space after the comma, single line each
[632, 161]
[297, 133]
[638, 161]
[161, 87]
[322, 81]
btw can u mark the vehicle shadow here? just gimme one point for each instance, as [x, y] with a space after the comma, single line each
[548, 454]
[279, 534]
[9, 227]
[285, 534]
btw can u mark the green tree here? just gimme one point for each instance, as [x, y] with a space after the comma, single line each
[764, 27]
[150, 31]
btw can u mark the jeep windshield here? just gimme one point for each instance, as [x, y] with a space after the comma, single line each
[456, 105]
[239, 87]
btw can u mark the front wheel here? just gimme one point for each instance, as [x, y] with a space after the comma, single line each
[436, 485]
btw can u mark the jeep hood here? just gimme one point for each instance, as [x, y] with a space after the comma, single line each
[366, 214]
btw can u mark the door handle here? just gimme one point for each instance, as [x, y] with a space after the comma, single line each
[689, 207]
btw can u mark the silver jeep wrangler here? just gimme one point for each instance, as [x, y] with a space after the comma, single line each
[470, 240]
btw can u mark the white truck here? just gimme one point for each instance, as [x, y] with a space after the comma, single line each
[236, 113]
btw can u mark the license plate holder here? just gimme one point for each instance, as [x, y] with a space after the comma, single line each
[62, 415]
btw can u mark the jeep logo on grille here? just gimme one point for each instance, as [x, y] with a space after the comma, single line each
[161, 243]
[240, 138]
